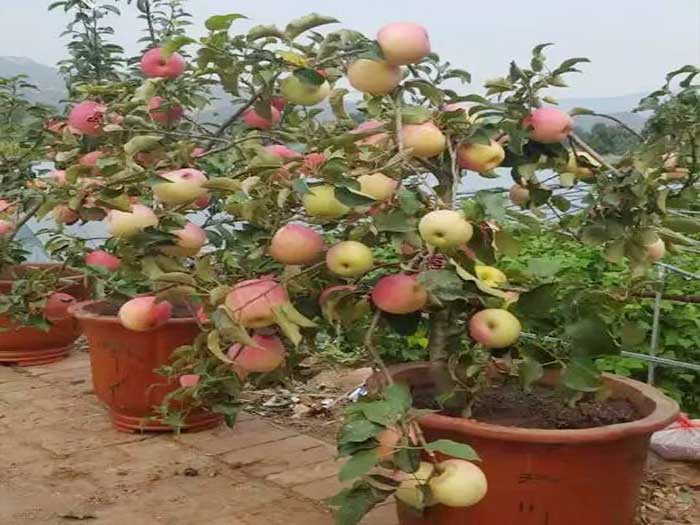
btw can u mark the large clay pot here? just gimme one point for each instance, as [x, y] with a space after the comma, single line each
[549, 477]
[27, 346]
[124, 363]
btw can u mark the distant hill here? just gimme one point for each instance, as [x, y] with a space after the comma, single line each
[619, 107]
[46, 78]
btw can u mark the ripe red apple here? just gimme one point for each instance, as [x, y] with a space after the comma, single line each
[62, 214]
[283, 152]
[163, 112]
[399, 294]
[549, 125]
[296, 244]
[267, 356]
[6, 228]
[445, 229]
[426, 140]
[104, 259]
[375, 77]
[56, 307]
[371, 140]
[87, 118]
[251, 302]
[403, 42]
[349, 259]
[129, 223]
[458, 483]
[183, 186]
[90, 160]
[141, 314]
[189, 380]
[313, 161]
[58, 177]
[494, 328]
[202, 202]
[154, 65]
[190, 240]
[378, 186]
[519, 195]
[255, 120]
[480, 157]
[279, 102]
[326, 293]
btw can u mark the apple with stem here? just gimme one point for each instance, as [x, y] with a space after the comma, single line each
[349, 259]
[252, 302]
[155, 65]
[490, 276]
[180, 186]
[458, 483]
[445, 229]
[296, 244]
[412, 488]
[494, 328]
[145, 313]
[399, 294]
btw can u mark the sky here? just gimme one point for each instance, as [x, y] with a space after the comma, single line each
[632, 43]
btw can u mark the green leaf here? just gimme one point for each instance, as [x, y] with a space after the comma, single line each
[530, 371]
[394, 221]
[354, 503]
[416, 115]
[304, 23]
[214, 345]
[426, 89]
[175, 44]
[222, 22]
[264, 31]
[543, 267]
[359, 430]
[399, 395]
[460, 74]
[407, 459]
[590, 337]
[632, 334]
[506, 243]
[141, 143]
[581, 111]
[582, 376]
[442, 284]
[453, 449]
[538, 302]
[309, 76]
[351, 198]
[358, 465]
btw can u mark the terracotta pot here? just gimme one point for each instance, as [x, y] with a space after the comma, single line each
[124, 363]
[26, 346]
[550, 477]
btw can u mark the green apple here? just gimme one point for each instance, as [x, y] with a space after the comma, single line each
[305, 94]
[490, 276]
[411, 491]
[458, 483]
[321, 202]
[445, 229]
[349, 259]
[494, 328]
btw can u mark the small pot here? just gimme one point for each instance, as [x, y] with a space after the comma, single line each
[124, 363]
[27, 346]
[549, 477]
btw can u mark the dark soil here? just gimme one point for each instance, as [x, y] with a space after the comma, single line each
[543, 408]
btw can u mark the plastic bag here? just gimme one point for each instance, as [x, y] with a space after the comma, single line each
[679, 441]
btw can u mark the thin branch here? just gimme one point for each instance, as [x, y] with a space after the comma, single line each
[593, 153]
[28, 215]
[619, 123]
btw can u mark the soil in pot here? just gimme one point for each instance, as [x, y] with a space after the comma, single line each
[124, 363]
[28, 346]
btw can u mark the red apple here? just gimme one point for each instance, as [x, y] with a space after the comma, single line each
[144, 313]
[87, 118]
[399, 294]
[189, 380]
[62, 214]
[255, 120]
[549, 125]
[279, 102]
[90, 160]
[58, 177]
[371, 140]
[494, 328]
[296, 244]
[103, 259]
[403, 42]
[313, 161]
[282, 151]
[267, 356]
[154, 65]
[163, 112]
[56, 307]
[6, 228]
[251, 302]
[190, 240]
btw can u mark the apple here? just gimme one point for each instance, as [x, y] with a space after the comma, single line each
[189, 242]
[87, 118]
[126, 224]
[378, 186]
[283, 152]
[62, 214]
[426, 140]
[549, 125]
[251, 302]
[56, 307]
[58, 177]
[458, 483]
[202, 202]
[349, 259]
[519, 195]
[656, 250]
[387, 441]
[321, 202]
[330, 290]
[375, 77]
[6, 228]
[490, 276]
[579, 163]
[141, 314]
[267, 356]
[279, 102]
[371, 140]
[399, 294]
[90, 160]
[164, 112]
[189, 380]
[313, 161]
[480, 157]
[154, 65]
[103, 259]
[296, 244]
[183, 186]
[411, 491]
[302, 93]
[494, 328]
[255, 120]
[403, 42]
[445, 229]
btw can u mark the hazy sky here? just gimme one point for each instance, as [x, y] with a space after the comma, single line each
[631, 43]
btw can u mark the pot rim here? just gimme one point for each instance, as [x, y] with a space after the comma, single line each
[665, 412]
[79, 311]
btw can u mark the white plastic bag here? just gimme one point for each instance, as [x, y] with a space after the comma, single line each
[679, 441]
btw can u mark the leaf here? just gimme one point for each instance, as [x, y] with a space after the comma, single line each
[264, 31]
[530, 371]
[351, 198]
[354, 503]
[632, 334]
[581, 111]
[214, 346]
[506, 243]
[590, 337]
[175, 44]
[453, 449]
[538, 302]
[398, 394]
[337, 103]
[357, 431]
[222, 22]
[416, 115]
[304, 23]
[141, 143]
[359, 464]
[403, 324]
[309, 76]
[460, 74]
[428, 90]
[406, 459]
[223, 184]
[394, 221]
[294, 59]
[581, 375]
[442, 284]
